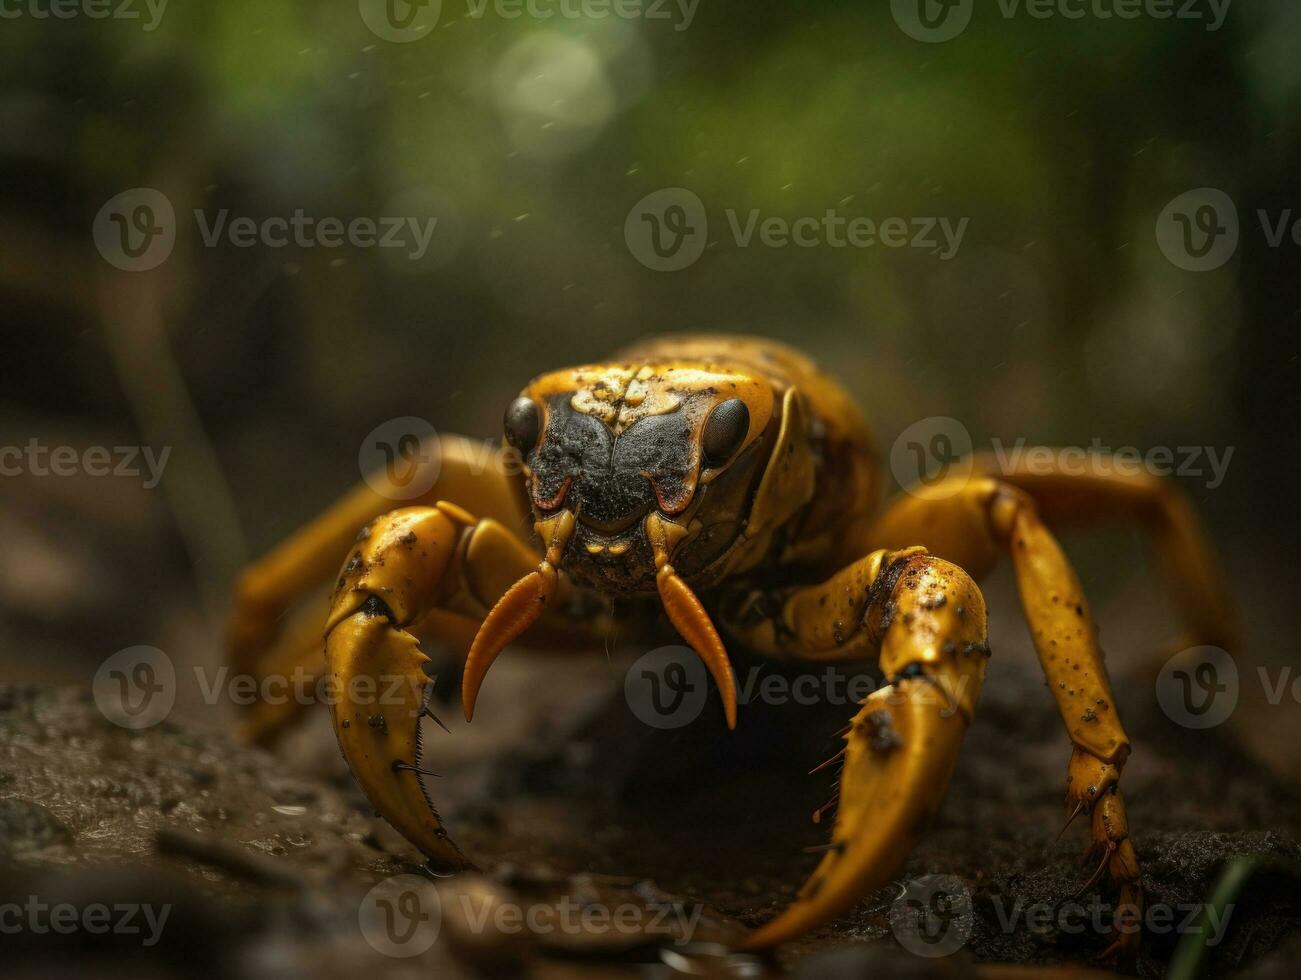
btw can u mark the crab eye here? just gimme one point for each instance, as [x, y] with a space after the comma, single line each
[724, 430]
[522, 424]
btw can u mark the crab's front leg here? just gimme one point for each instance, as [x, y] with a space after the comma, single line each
[275, 617]
[926, 617]
[408, 564]
[970, 521]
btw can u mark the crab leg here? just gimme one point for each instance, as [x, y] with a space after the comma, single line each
[983, 516]
[275, 617]
[411, 561]
[928, 618]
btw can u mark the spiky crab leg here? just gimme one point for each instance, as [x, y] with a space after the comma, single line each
[902, 746]
[975, 518]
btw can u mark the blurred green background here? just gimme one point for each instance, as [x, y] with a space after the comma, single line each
[1059, 320]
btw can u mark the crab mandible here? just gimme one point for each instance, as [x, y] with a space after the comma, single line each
[696, 470]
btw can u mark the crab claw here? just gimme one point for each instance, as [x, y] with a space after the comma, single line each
[380, 737]
[900, 754]
[376, 669]
[517, 610]
[902, 746]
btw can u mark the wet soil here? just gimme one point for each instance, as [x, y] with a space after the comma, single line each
[264, 857]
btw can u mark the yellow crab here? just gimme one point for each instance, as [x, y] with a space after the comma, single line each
[736, 483]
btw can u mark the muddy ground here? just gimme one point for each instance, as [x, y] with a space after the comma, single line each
[265, 857]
